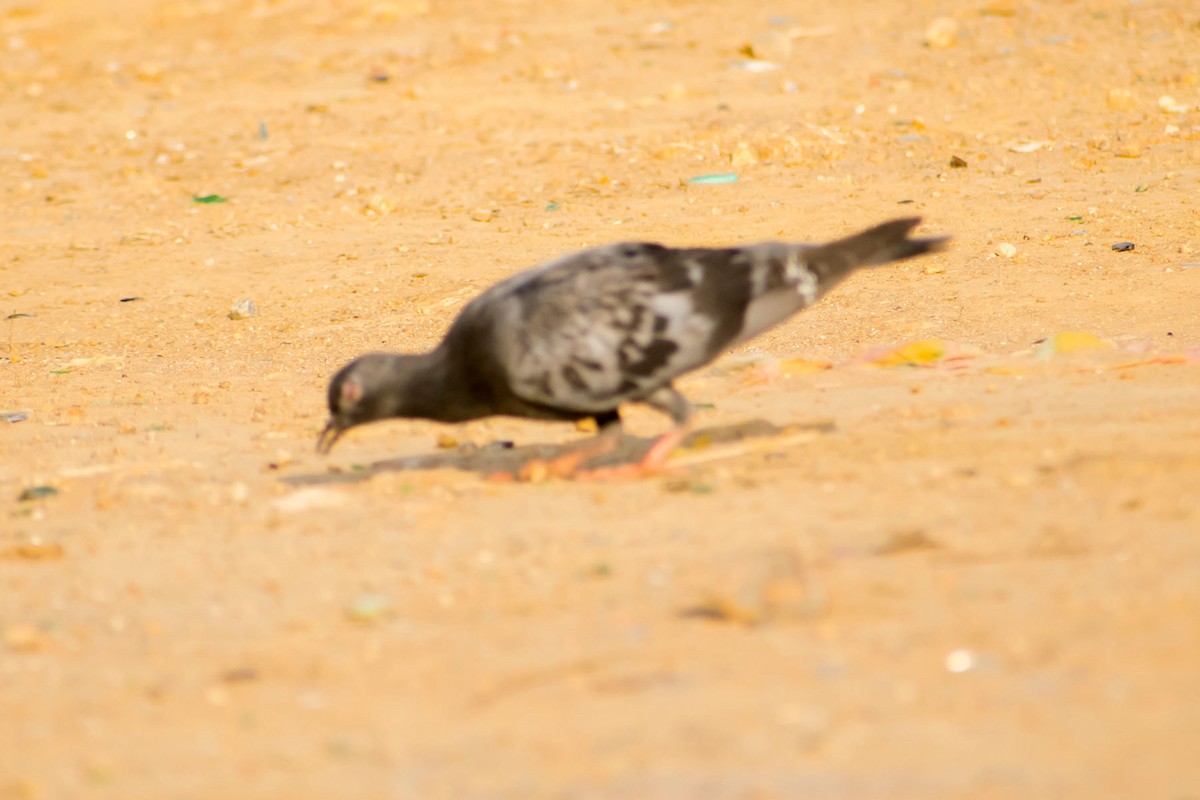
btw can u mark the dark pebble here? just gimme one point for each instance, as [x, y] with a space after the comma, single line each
[1122, 247]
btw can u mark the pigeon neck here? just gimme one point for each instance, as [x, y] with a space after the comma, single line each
[435, 388]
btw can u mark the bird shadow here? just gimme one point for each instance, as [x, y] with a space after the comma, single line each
[502, 457]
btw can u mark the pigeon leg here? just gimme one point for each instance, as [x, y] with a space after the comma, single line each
[567, 464]
[654, 462]
[671, 402]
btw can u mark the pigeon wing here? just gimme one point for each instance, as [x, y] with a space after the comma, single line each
[612, 324]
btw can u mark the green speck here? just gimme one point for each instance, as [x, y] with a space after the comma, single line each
[60, 372]
[37, 493]
[1076, 218]
[552, 206]
[209, 198]
[1141, 187]
[716, 177]
[705, 406]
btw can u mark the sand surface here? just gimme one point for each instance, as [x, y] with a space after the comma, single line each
[964, 561]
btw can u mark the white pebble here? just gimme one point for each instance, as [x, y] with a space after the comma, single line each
[309, 499]
[941, 33]
[960, 661]
[243, 309]
[1006, 250]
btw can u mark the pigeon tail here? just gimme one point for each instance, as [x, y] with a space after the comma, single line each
[879, 245]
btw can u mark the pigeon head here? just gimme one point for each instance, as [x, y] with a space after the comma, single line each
[373, 387]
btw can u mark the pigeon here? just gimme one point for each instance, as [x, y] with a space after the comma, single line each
[581, 335]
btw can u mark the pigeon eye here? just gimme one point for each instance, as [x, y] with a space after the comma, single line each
[350, 394]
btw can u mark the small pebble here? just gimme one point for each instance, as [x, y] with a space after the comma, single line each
[243, 309]
[769, 45]
[1006, 250]
[1123, 247]
[957, 163]
[960, 661]
[313, 497]
[941, 33]
[1167, 103]
[1027, 147]
[368, 608]
[19, 416]
[1120, 100]
[743, 156]
[753, 65]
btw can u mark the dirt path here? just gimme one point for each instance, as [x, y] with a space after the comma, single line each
[977, 574]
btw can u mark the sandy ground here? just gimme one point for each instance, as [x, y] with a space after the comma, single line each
[974, 574]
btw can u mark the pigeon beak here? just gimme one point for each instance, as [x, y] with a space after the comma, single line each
[332, 432]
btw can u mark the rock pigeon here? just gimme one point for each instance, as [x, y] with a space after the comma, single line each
[580, 335]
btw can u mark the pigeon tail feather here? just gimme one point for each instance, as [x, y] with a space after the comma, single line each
[881, 244]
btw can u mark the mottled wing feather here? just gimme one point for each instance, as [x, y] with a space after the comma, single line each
[608, 325]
